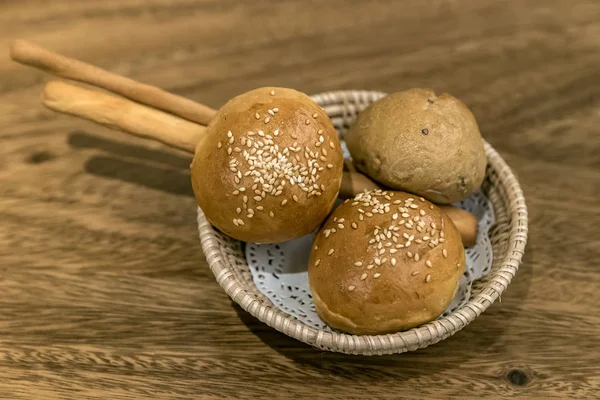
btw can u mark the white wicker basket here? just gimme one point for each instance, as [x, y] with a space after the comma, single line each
[225, 257]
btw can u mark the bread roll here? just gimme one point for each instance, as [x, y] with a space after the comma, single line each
[421, 143]
[384, 262]
[269, 167]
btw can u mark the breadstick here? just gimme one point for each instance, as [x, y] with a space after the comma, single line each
[30, 54]
[354, 183]
[122, 114]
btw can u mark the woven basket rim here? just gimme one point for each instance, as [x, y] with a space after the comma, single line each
[400, 342]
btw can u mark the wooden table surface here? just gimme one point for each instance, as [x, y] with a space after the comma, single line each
[104, 289]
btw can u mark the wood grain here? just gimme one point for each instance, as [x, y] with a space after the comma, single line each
[104, 290]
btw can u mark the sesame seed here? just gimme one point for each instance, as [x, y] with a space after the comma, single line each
[245, 199]
[381, 252]
[442, 234]
[370, 267]
[369, 214]
[321, 139]
[442, 240]
[408, 225]
[425, 238]
[433, 225]
[422, 212]
[393, 261]
[276, 109]
[376, 275]
[405, 235]
[320, 131]
[240, 222]
[271, 112]
[377, 261]
[235, 222]
[219, 145]
[331, 145]
[229, 150]
[428, 263]
[395, 216]
[330, 252]
[417, 257]
[351, 288]
[283, 202]
[431, 245]
[409, 254]
[257, 116]
[428, 278]
[271, 213]
[445, 253]
[329, 166]
[327, 233]
[397, 202]
[317, 262]
[421, 198]
[405, 215]
[235, 192]
[341, 226]
[414, 273]
[354, 225]
[358, 264]
[414, 206]
[361, 217]
[431, 206]
[238, 210]
[363, 276]
[392, 251]
[259, 208]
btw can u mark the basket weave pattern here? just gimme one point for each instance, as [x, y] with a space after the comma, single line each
[508, 237]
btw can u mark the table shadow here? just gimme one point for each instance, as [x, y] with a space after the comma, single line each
[151, 168]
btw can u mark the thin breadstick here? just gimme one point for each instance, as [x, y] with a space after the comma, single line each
[122, 114]
[35, 56]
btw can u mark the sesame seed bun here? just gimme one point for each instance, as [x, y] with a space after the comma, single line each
[384, 262]
[421, 143]
[269, 168]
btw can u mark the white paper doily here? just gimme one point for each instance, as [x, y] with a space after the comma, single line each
[280, 270]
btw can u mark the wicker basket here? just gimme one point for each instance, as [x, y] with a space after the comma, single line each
[508, 237]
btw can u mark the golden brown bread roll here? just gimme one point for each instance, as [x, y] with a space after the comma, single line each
[383, 262]
[269, 167]
[421, 143]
